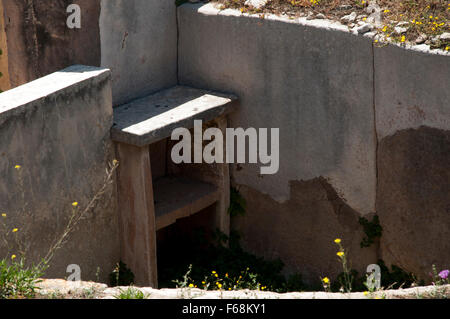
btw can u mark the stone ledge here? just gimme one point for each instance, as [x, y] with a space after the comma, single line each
[153, 118]
[58, 288]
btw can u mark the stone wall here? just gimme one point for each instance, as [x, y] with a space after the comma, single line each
[139, 45]
[337, 100]
[57, 129]
[412, 99]
[135, 39]
[315, 84]
[363, 129]
[39, 41]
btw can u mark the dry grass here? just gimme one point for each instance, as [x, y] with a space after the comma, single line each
[425, 17]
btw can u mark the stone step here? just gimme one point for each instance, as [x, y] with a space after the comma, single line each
[153, 118]
[178, 197]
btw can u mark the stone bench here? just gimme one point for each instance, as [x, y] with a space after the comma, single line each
[146, 204]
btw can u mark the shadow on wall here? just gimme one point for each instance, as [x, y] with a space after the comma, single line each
[301, 230]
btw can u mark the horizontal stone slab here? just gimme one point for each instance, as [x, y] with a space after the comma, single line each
[177, 197]
[153, 118]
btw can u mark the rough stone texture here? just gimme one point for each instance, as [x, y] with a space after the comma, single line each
[317, 90]
[411, 90]
[57, 129]
[39, 42]
[139, 45]
[413, 122]
[57, 288]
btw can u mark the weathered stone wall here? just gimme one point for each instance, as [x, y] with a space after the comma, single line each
[139, 45]
[316, 85]
[4, 73]
[57, 129]
[350, 143]
[412, 99]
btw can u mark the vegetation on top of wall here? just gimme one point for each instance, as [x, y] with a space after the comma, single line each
[420, 21]
[131, 293]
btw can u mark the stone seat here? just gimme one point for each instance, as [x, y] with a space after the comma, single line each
[152, 118]
[147, 205]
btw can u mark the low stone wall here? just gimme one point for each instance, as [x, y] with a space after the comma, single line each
[139, 45]
[61, 289]
[57, 130]
[335, 97]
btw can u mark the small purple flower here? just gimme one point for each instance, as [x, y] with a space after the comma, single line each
[444, 274]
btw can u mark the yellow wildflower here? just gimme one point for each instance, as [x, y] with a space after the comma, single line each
[366, 293]
[337, 240]
[213, 272]
[340, 253]
[3, 215]
[17, 167]
[15, 230]
[13, 257]
[403, 38]
[326, 280]
[75, 204]
[191, 286]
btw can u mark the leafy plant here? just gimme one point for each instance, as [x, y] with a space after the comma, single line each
[372, 229]
[180, 2]
[17, 279]
[121, 275]
[237, 203]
